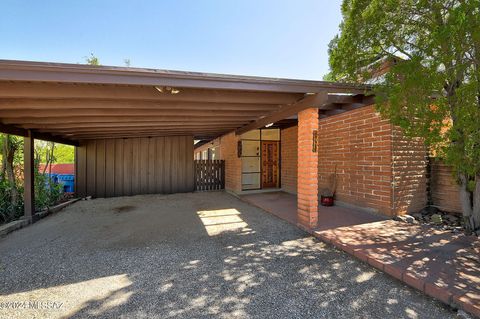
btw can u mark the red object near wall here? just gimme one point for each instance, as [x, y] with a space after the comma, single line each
[326, 200]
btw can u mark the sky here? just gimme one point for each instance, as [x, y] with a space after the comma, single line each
[274, 38]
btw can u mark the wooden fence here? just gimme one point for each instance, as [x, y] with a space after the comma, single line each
[209, 175]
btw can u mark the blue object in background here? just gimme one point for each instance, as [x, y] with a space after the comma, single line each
[68, 182]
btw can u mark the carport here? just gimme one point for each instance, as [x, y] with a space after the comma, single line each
[134, 129]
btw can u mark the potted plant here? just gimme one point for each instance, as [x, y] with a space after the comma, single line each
[327, 194]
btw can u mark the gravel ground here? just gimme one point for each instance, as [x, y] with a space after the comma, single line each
[197, 255]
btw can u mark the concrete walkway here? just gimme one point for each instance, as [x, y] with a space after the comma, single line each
[440, 264]
[200, 255]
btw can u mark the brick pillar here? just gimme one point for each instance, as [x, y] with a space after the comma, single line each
[307, 173]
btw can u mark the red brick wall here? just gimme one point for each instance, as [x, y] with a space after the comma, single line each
[370, 154]
[289, 159]
[409, 169]
[443, 187]
[307, 168]
[233, 164]
[358, 143]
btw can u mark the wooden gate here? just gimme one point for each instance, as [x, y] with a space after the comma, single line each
[209, 175]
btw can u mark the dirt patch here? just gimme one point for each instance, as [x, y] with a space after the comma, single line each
[124, 209]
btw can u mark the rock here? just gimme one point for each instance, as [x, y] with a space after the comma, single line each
[400, 218]
[431, 210]
[405, 219]
[417, 216]
[452, 219]
[436, 219]
[409, 219]
[463, 315]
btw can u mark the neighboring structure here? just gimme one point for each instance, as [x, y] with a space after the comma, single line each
[58, 168]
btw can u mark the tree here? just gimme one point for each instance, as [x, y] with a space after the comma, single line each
[10, 145]
[92, 60]
[433, 89]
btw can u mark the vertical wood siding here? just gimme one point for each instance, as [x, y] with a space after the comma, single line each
[125, 167]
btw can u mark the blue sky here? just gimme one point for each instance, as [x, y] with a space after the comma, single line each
[277, 38]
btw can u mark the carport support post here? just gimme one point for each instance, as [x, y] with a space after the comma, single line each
[29, 177]
[307, 164]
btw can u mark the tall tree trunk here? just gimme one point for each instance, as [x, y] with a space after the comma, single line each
[470, 202]
[9, 154]
[476, 203]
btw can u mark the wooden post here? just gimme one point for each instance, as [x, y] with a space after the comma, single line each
[29, 177]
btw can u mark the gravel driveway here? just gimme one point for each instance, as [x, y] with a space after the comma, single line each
[196, 255]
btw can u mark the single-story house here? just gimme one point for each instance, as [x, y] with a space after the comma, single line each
[134, 131]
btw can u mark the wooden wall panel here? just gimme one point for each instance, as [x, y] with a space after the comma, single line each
[80, 166]
[118, 188]
[124, 167]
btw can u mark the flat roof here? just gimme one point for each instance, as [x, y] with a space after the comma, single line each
[75, 101]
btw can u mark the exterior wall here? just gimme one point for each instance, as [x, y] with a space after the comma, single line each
[358, 144]
[377, 166]
[233, 164]
[307, 168]
[288, 160]
[443, 187]
[409, 169]
[123, 167]
[227, 145]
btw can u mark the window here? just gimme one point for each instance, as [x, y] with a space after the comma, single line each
[251, 155]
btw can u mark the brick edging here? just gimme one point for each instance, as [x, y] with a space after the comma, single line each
[409, 278]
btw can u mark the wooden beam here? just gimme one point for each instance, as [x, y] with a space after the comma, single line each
[123, 112]
[29, 177]
[125, 124]
[313, 100]
[198, 135]
[74, 135]
[344, 99]
[26, 90]
[9, 129]
[81, 103]
[13, 130]
[52, 138]
[136, 128]
[32, 121]
[342, 108]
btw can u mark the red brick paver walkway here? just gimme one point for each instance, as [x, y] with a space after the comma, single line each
[439, 263]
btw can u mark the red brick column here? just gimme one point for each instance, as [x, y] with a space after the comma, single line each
[307, 163]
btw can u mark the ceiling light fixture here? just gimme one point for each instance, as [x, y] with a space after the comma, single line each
[167, 89]
[268, 125]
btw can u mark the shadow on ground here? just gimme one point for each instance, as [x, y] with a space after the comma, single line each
[191, 255]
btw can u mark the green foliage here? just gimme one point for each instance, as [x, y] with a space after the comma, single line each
[61, 153]
[47, 192]
[92, 60]
[10, 211]
[433, 88]
[329, 77]
[64, 153]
